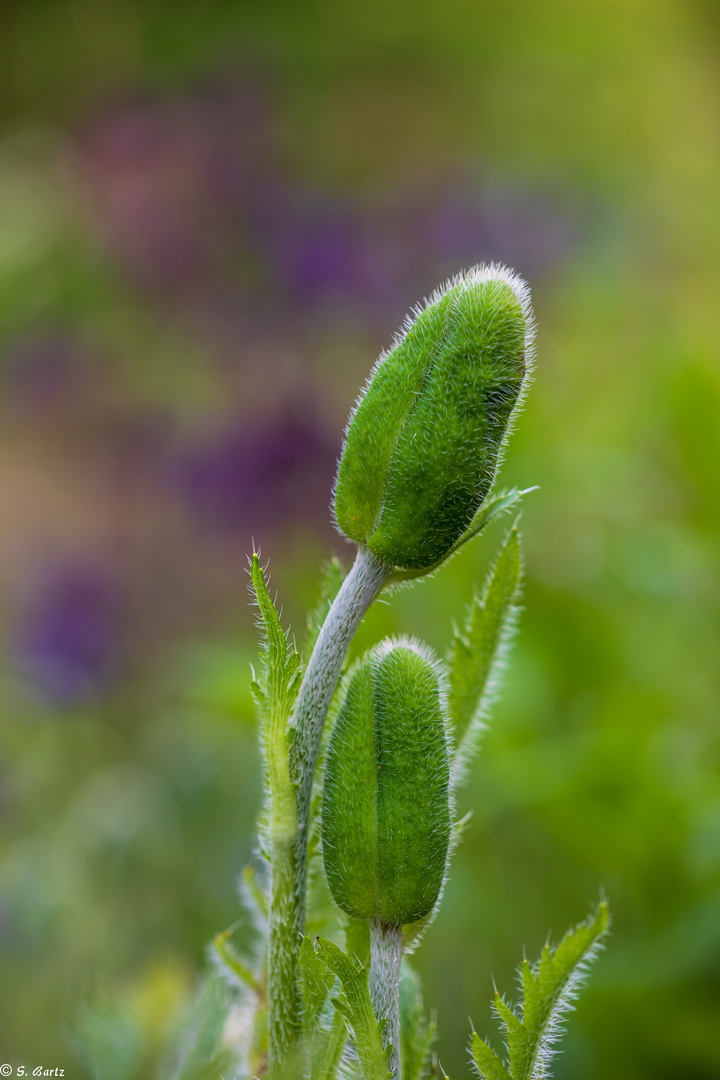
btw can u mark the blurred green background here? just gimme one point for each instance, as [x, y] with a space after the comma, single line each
[212, 218]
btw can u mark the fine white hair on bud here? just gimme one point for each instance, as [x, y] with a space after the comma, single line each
[386, 817]
[429, 429]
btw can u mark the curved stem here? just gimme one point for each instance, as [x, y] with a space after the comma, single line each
[289, 861]
[386, 941]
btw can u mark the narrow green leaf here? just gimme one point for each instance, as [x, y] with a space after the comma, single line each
[531, 1029]
[356, 1008]
[325, 1046]
[315, 984]
[275, 693]
[478, 653]
[489, 1065]
[326, 1061]
[519, 1041]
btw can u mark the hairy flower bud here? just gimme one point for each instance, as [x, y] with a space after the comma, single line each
[423, 444]
[386, 803]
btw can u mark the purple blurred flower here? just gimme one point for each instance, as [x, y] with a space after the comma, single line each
[69, 645]
[260, 474]
[171, 180]
[526, 230]
[196, 203]
[45, 368]
[316, 246]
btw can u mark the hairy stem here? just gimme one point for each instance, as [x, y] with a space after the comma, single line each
[289, 860]
[283, 991]
[386, 940]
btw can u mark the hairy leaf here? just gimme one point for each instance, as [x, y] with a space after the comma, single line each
[478, 653]
[329, 1055]
[356, 1009]
[324, 1045]
[316, 981]
[275, 692]
[549, 988]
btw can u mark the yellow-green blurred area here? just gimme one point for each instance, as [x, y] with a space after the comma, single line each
[212, 218]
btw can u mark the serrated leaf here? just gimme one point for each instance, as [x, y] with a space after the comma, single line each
[325, 1046]
[488, 1063]
[275, 693]
[315, 984]
[549, 988]
[477, 654]
[356, 1008]
[518, 1037]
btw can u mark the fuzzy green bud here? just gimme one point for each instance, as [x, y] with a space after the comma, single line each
[386, 803]
[424, 441]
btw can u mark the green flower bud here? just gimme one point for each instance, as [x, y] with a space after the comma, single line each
[424, 441]
[386, 804]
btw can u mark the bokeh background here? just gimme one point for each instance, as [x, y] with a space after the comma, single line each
[212, 218]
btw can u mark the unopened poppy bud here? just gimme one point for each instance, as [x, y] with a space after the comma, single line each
[386, 802]
[423, 444]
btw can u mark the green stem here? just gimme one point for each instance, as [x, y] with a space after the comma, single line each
[289, 859]
[284, 1017]
[386, 942]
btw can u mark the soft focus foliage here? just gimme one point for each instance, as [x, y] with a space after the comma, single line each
[211, 220]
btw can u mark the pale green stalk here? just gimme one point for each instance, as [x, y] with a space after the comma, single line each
[289, 855]
[386, 941]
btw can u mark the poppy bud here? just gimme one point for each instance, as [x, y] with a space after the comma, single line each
[424, 441]
[386, 803]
